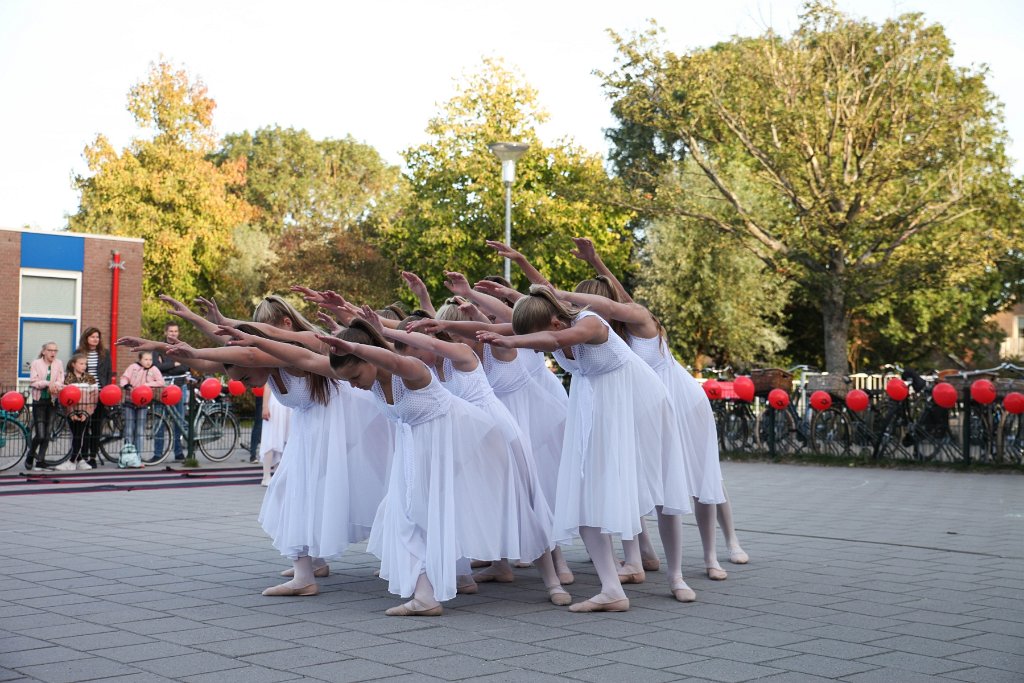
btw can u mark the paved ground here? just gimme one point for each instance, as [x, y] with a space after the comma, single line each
[855, 575]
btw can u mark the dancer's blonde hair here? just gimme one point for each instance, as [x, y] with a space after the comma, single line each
[533, 312]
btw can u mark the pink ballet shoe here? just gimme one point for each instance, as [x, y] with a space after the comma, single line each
[737, 556]
[284, 590]
[717, 574]
[682, 592]
[591, 606]
[468, 588]
[319, 572]
[406, 611]
[627, 576]
[566, 578]
[558, 596]
[651, 564]
[479, 564]
[493, 575]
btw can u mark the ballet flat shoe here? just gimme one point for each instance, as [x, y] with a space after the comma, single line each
[591, 606]
[479, 564]
[285, 590]
[738, 557]
[485, 577]
[684, 594]
[651, 564]
[467, 589]
[319, 572]
[566, 578]
[403, 611]
[560, 598]
[716, 574]
[634, 577]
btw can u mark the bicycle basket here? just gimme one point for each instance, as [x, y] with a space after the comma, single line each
[836, 385]
[766, 379]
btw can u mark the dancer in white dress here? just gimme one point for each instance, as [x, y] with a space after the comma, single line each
[647, 338]
[620, 426]
[276, 417]
[437, 508]
[527, 515]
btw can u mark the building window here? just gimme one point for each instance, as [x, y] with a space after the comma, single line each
[50, 310]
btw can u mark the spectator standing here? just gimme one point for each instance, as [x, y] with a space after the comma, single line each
[77, 374]
[98, 359]
[46, 377]
[139, 374]
[173, 373]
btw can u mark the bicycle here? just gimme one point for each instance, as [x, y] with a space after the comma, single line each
[783, 430]
[215, 428]
[915, 427]
[15, 439]
[734, 418]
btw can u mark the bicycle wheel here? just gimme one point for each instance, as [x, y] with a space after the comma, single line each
[14, 441]
[156, 424]
[1011, 439]
[111, 437]
[735, 430]
[830, 433]
[777, 431]
[976, 438]
[59, 448]
[217, 433]
[933, 439]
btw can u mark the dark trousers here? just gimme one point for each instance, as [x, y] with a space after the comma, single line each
[78, 432]
[43, 413]
[92, 442]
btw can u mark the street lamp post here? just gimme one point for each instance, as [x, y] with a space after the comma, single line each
[508, 153]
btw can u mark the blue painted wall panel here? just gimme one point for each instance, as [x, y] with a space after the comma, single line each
[53, 251]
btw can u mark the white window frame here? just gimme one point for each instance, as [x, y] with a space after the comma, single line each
[76, 319]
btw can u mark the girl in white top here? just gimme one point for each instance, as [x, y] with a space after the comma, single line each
[620, 428]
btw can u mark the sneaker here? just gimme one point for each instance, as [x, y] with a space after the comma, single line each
[66, 466]
[83, 465]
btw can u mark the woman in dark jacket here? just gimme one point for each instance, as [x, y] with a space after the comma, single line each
[91, 344]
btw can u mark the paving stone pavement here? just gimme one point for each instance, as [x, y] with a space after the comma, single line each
[855, 575]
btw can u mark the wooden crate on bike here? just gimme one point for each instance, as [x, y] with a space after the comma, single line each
[836, 385]
[766, 379]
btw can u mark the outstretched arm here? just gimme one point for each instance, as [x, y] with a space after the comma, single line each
[585, 251]
[531, 273]
[419, 290]
[631, 313]
[459, 285]
[286, 355]
[232, 355]
[463, 328]
[590, 330]
[182, 311]
[413, 372]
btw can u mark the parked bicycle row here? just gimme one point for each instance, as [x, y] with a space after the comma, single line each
[139, 424]
[966, 416]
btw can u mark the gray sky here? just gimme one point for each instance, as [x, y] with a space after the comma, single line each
[376, 70]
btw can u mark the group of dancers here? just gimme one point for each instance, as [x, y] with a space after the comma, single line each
[442, 439]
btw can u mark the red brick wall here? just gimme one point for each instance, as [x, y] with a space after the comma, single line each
[10, 267]
[97, 282]
[97, 286]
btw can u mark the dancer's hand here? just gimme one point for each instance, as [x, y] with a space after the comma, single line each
[469, 309]
[328, 321]
[495, 339]
[139, 344]
[370, 316]
[504, 250]
[237, 337]
[338, 347]
[209, 309]
[426, 326]
[457, 284]
[584, 250]
[177, 308]
[415, 285]
[498, 291]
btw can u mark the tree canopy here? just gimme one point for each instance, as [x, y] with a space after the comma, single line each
[455, 196]
[878, 179]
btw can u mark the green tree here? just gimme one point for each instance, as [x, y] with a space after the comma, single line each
[163, 189]
[456, 199]
[889, 160]
[319, 203]
[717, 299]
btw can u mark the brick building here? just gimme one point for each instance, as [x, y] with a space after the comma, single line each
[58, 283]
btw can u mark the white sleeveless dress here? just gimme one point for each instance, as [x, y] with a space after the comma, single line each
[696, 421]
[620, 454]
[539, 412]
[331, 480]
[435, 511]
[526, 528]
[535, 363]
[274, 434]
